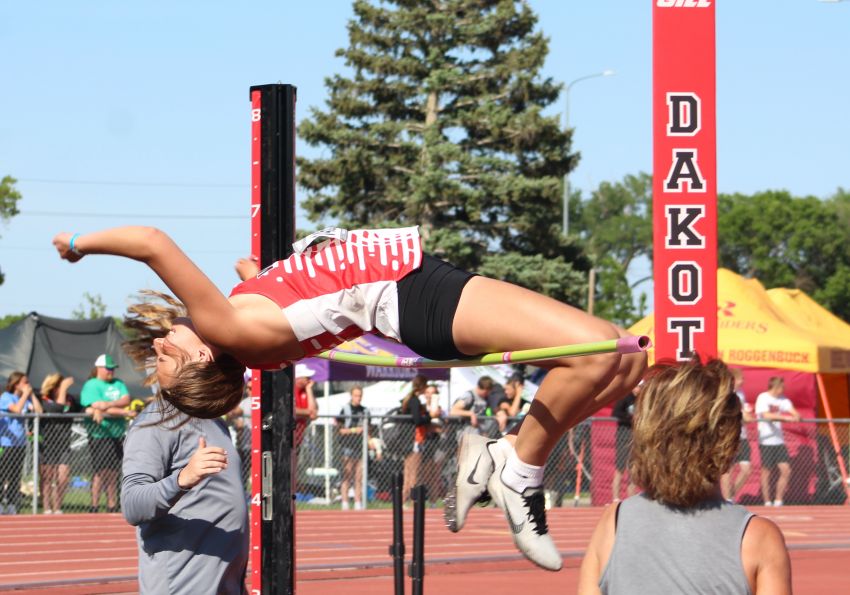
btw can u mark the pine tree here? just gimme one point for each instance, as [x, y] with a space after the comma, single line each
[441, 125]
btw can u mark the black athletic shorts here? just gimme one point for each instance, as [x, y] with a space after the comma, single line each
[773, 454]
[427, 302]
[744, 452]
[106, 453]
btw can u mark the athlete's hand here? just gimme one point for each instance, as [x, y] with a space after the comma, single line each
[62, 242]
[207, 460]
[247, 268]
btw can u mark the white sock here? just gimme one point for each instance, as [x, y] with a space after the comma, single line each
[505, 446]
[518, 475]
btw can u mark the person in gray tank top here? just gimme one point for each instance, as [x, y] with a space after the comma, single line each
[679, 535]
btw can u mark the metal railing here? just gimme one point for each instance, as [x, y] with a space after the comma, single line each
[59, 465]
[584, 469]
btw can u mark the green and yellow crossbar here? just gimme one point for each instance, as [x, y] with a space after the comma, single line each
[623, 345]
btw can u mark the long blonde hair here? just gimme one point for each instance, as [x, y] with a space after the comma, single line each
[686, 431]
[149, 318]
[203, 389]
[50, 384]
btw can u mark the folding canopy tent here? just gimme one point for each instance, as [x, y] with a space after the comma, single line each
[782, 333]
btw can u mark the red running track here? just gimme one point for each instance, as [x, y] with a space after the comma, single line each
[348, 552]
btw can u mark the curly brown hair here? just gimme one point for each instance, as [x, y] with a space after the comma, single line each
[686, 431]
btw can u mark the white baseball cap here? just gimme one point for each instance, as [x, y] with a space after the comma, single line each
[303, 370]
[105, 360]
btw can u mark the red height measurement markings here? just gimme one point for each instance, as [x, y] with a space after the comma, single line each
[256, 385]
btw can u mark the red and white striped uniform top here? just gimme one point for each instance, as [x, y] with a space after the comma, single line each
[342, 287]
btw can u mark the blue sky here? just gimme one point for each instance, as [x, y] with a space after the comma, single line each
[149, 100]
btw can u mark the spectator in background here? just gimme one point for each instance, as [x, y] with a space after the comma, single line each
[350, 428]
[306, 409]
[412, 405]
[55, 451]
[517, 403]
[514, 404]
[432, 455]
[680, 535]
[472, 406]
[497, 403]
[773, 408]
[432, 402]
[19, 398]
[729, 486]
[105, 397]
[623, 410]
[182, 489]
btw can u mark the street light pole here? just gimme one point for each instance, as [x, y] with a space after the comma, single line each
[566, 198]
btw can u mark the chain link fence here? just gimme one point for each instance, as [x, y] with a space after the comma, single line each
[60, 463]
[61, 466]
[588, 467]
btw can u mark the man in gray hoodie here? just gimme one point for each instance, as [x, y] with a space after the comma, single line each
[182, 489]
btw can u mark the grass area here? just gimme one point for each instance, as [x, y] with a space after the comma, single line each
[76, 499]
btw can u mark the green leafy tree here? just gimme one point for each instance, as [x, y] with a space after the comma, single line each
[781, 240]
[9, 198]
[787, 241]
[441, 124]
[92, 307]
[11, 319]
[835, 293]
[841, 203]
[615, 225]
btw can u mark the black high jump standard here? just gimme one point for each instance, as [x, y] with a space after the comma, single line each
[273, 454]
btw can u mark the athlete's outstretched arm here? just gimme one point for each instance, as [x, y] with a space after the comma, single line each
[211, 313]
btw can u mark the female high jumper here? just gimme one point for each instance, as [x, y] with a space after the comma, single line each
[341, 284]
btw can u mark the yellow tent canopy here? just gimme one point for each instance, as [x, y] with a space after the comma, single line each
[831, 329]
[811, 315]
[780, 328]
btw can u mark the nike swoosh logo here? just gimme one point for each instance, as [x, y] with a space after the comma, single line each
[471, 478]
[514, 527]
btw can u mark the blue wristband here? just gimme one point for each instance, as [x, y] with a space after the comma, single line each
[71, 244]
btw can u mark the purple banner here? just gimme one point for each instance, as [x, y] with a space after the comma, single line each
[370, 345]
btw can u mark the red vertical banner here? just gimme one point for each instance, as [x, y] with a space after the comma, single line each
[256, 384]
[684, 178]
